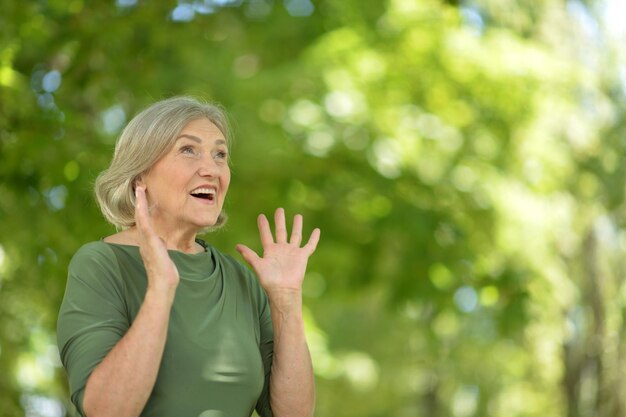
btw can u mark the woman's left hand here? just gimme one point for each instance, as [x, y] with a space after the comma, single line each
[283, 264]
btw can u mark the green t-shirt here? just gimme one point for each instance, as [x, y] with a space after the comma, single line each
[219, 346]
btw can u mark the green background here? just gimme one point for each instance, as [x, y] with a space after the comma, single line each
[465, 161]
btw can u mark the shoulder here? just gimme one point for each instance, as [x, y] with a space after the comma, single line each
[97, 250]
[94, 259]
[235, 268]
[125, 237]
[232, 265]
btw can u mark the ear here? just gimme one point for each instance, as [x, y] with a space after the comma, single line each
[138, 181]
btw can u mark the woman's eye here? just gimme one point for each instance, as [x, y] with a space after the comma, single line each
[188, 150]
[221, 155]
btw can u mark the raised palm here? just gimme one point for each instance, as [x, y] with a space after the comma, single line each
[283, 264]
[161, 271]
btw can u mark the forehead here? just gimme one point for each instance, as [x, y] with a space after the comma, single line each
[202, 131]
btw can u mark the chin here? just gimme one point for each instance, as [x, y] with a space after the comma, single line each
[206, 225]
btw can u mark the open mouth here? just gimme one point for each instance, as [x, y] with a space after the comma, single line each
[204, 194]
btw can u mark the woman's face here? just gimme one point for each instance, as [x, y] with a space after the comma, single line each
[186, 187]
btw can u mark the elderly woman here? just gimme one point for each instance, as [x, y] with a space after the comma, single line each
[156, 322]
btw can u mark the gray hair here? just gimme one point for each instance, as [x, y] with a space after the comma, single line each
[147, 138]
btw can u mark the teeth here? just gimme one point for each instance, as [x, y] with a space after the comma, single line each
[204, 191]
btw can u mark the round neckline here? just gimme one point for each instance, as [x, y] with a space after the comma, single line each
[199, 241]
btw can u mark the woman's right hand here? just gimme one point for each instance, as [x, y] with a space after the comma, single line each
[121, 384]
[161, 272]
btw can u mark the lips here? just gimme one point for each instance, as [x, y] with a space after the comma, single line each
[204, 193]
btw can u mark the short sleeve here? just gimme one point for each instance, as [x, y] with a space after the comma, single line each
[93, 316]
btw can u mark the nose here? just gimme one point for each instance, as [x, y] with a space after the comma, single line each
[208, 166]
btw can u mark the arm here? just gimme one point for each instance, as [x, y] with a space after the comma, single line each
[292, 385]
[121, 384]
[281, 273]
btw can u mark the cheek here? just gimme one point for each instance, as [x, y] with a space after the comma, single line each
[226, 178]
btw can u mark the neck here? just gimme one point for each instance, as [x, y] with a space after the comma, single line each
[175, 239]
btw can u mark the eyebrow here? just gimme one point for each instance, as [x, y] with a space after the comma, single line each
[198, 140]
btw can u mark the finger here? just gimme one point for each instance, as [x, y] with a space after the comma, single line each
[281, 227]
[248, 254]
[264, 230]
[313, 240]
[296, 231]
[142, 217]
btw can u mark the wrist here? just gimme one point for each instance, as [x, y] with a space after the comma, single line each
[160, 295]
[285, 301]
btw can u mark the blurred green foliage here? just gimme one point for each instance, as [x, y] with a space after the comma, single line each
[464, 160]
